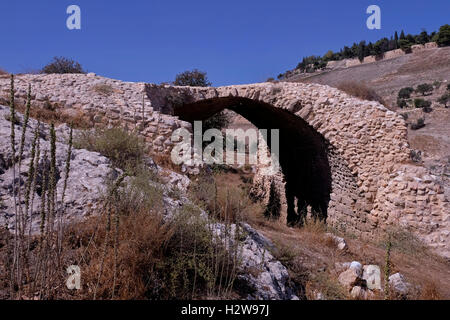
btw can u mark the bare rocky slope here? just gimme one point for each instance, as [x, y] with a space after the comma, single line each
[387, 77]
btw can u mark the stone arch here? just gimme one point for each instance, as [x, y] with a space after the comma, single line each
[303, 151]
[373, 181]
[374, 184]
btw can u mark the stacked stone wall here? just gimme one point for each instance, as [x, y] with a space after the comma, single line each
[375, 185]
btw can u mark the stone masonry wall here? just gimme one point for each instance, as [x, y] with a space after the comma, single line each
[101, 100]
[375, 185]
[370, 153]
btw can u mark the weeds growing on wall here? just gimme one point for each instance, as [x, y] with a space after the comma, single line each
[360, 91]
[125, 149]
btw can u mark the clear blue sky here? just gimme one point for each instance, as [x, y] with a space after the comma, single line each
[234, 41]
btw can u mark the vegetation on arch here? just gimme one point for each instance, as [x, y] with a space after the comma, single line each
[196, 78]
[192, 78]
[62, 65]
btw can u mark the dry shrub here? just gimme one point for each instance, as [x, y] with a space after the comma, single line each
[125, 149]
[430, 291]
[223, 196]
[3, 72]
[285, 253]
[51, 113]
[164, 160]
[361, 91]
[404, 241]
[155, 259]
[315, 227]
[316, 232]
[133, 251]
[103, 89]
[142, 237]
[327, 285]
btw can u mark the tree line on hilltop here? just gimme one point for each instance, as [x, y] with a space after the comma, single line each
[363, 49]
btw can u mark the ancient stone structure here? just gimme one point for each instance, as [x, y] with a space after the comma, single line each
[373, 184]
[347, 63]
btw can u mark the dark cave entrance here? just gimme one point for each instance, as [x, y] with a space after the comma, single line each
[302, 155]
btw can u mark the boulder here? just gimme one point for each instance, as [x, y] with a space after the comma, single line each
[357, 267]
[264, 276]
[372, 276]
[350, 278]
[398, 283]
[340, 242]
[85, 185]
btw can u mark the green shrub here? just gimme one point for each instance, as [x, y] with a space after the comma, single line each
[405, 45]
[125, 149]
[197, 263]
[419, 124]
[194, 78]
[427, 109]
[444, 99]
[62, 65]
[437, 84]
[416, 156]
[405, 93]
[424, 88]
[421, 103]
[401, 103]
[140, 193]
[219, 121]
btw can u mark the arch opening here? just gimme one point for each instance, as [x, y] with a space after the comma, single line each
[302, 151]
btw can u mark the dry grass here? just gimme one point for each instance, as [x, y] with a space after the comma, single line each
[310, 255]
[361, 91]
[154, 258]
[131, 251]
[125, 149]
[225, 196]
[52, 114]
[142, 237]
[430, 291]
[164, 160]
[103, 89]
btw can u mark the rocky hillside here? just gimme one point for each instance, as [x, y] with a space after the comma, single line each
[387, 77]
[259, 274]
